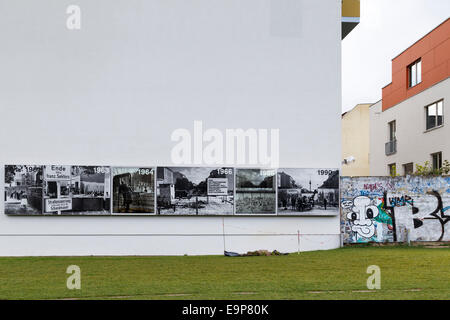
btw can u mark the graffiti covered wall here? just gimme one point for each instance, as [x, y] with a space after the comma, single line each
[382, 209]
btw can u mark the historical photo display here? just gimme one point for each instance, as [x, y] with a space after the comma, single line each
[23, 189]
[195, 191]
[77, 190]
[255, 191]
[308, 192]
[133, 190]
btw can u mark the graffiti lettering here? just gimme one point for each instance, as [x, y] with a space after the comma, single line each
[374, 187]
[362, 215]
[420, 205]
[390, 211]
[401, 201]
[438, 213]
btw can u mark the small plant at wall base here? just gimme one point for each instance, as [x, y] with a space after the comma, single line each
[427, 170]
[394, 171]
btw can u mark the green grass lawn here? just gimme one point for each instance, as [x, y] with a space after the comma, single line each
[406, 273]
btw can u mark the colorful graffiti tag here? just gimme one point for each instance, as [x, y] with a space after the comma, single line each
[384, 209]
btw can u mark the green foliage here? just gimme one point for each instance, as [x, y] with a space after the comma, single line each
[427, 170]
[394, 171]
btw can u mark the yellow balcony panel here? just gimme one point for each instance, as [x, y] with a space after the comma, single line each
[350, 16]
[351, 8]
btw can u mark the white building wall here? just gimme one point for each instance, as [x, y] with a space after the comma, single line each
[113, 92]
[414, 143]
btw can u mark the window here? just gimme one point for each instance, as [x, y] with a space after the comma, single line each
[391, 145]
[435, 115]
[437, 160]
[392, 130]
[392, 169]
[415, 73]
[408, 168]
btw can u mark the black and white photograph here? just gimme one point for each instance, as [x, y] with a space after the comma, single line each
[23, 190]
[195, 191]
[255, 191]
[133, 190]
[77, 190]
[308, 192]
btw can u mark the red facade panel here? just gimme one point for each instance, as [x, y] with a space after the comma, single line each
[434, 52]
[442, 52]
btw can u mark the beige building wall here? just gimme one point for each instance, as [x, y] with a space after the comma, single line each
[414, 143]
[356, 141]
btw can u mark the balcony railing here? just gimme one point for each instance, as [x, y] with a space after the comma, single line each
[391, 147]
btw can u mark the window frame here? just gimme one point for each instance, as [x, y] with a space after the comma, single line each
[408, 164]
[392, 130]
[416, 66]
[436, 120]
[439, 160]
[392, 166]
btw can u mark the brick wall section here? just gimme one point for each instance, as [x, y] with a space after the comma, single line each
[434, 50]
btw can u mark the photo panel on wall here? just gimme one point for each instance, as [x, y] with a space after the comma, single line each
[76, 190]
[101, 190]
[23, 189]
[255, 191]
[308, 192]
[133, 190]
[57, 190]
[195, 190]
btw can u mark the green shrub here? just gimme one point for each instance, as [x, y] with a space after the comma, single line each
[427, 170]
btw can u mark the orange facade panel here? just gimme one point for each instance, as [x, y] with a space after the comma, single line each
[428, 62]
[441, 53]
[440, 34]
[399, 79]
[434, 52]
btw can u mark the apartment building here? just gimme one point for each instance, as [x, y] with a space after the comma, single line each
[408, 126]
[356, 141]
